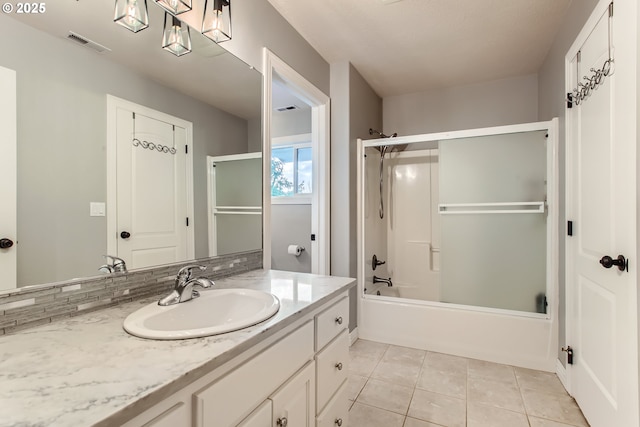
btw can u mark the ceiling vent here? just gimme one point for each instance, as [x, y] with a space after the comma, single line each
[81, 40]
[287, 108]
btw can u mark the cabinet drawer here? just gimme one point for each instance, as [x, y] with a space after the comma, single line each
[225, 402]
[332, 365]
[336, 414]
[331, 322]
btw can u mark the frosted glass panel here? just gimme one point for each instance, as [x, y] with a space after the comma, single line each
[494, 259]
[493, 169]
[239, 183]
[238, 233]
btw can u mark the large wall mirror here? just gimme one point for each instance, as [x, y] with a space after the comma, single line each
[63, 82]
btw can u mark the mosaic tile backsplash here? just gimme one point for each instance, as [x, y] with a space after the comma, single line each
[26, 308]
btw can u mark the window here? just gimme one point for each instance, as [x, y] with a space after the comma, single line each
[292, 171]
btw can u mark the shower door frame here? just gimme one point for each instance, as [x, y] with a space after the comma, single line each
[376, 314]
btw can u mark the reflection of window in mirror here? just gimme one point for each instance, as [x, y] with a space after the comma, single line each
[292, 169]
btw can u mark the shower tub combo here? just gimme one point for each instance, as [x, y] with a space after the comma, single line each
[458, 238]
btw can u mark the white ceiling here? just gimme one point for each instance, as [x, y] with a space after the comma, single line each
[209, 73]
[417, 45]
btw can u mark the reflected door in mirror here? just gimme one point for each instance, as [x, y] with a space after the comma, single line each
[152, 190]
[8, 189]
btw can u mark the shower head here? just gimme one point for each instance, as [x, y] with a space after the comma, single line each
[382, 135]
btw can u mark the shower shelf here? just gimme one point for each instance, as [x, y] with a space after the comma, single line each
[491, 208]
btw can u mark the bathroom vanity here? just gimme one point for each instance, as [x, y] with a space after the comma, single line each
[288, 370]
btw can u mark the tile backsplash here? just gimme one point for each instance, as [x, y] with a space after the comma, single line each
[26, 308]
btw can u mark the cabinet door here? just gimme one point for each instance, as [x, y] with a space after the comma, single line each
[260, 417]
[294, 402]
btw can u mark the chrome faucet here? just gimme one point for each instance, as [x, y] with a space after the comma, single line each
[183, 290]
[118, 265]
[377, 279]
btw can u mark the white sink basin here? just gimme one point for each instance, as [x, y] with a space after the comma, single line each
[215, 312]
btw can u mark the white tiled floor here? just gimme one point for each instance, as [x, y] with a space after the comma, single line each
[394, 386]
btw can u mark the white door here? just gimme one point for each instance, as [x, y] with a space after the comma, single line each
[152, 199]
[8, 189]
[601, 196]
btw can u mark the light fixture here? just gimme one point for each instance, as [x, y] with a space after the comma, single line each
[132, 14]
[175, 7]
[176, 37]
[216, 23]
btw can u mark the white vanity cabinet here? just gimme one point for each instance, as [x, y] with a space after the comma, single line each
[296, 379]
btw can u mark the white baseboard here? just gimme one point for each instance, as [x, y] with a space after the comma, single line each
[561, 372]
[353, 336]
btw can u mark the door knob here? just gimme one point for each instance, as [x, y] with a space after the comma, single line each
[125, 234]
[6, 243]
[621, 262]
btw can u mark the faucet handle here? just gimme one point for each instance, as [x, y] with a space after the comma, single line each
[117, 264]
[185, 272]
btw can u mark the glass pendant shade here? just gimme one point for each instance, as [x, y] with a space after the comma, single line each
[176, 37]
[132, 14]
[175, 7]
[216, 23]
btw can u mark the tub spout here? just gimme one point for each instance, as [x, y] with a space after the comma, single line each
[377, 279]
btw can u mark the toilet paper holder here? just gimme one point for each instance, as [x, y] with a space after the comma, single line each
[295, 250]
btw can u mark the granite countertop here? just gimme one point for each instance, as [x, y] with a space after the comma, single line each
[83, 370]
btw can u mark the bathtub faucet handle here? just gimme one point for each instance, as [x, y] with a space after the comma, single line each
[375, 262]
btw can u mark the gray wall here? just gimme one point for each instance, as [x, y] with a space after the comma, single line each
[256, 24]
[495, 103]
[355, 108]
[293, 122]
[62, 143]
[290, 225]
[254, 129]
[551, 94]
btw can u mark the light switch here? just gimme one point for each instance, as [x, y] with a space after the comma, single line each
[97, 209]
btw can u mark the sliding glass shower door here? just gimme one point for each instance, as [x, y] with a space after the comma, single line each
[493, 221]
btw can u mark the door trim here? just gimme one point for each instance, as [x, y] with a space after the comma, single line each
[113, 104]
[320, 131]
[8, 183]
